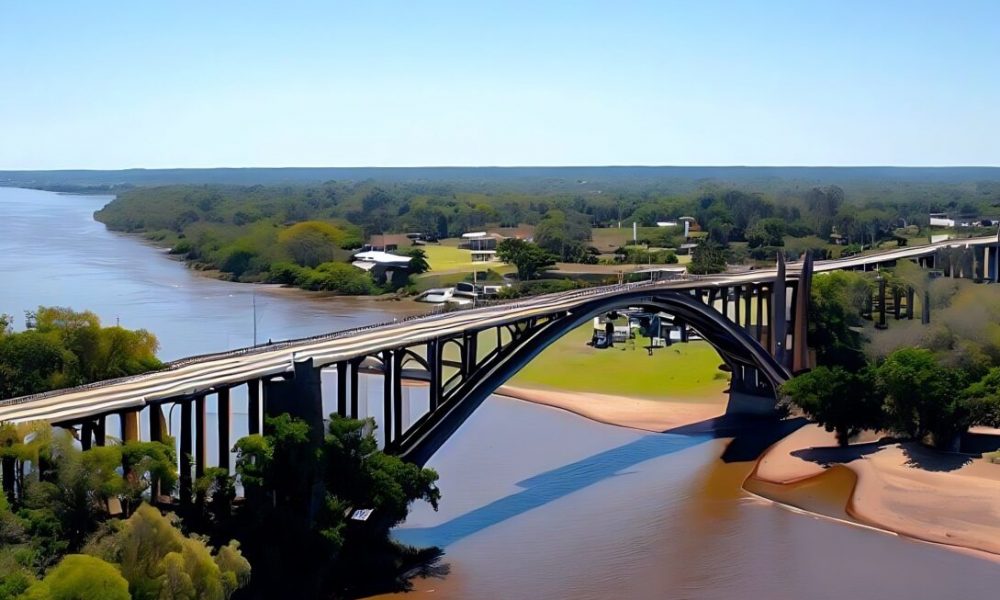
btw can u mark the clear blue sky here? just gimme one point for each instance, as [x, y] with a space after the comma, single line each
[97, 84]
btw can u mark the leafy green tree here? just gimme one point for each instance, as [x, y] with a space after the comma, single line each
[922, 396]
[159, 561]
[311, 243]
[842, 401]
[564, 235]
[708, 257]
[766, 232]
[336, 277]
[71, 348]
[981, 400]
[80, 577]
[77, 488]
[30, 362]
[835, 323]
[145, 464]
[418, 261]
[529, 259]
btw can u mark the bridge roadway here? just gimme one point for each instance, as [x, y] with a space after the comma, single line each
[204, 374]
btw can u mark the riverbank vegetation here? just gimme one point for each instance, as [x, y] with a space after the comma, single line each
[78, 524]
[928, 383]
[295, 234]
[65, 348]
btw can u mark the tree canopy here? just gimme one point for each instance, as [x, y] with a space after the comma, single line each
[67, 348]
[529, 258]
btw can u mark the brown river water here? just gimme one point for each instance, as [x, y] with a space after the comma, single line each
[537, 502]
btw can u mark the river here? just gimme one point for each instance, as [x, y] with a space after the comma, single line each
[537, 502]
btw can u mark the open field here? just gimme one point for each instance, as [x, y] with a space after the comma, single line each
[679, 372]
[447, 257]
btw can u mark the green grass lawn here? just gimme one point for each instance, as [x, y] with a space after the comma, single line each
[678, 372]
[447, 257]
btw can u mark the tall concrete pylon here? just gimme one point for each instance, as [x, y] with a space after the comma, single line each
[778, 321]
[800, 347]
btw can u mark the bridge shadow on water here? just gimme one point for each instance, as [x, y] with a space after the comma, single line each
[751, 436]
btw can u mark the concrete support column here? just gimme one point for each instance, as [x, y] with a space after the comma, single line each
[184, 475]
[979, 256]
[725, 301]
[387, 387]
[300, 395]
[100, 430]
[759, 331]
[355, 365]
[434, 365]
[200, 436]
[397, 395]
[736, 305]
[910, 293]
[253, 406]
[897, 300]
[342, 388]
[130, 425]
[225, 416]
[158, 429]
[943, 262]
[994, 268]
[86, 435]
[925, 309]
[779, 317]
[748, 306]
[800, 336]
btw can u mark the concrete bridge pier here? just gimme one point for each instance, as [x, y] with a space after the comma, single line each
[992, 256]
[253, 406]
[749, 394]
[299, 395]
[778, 316]
[130, 425]
[225, 414]
[979, 258]
[184, 480]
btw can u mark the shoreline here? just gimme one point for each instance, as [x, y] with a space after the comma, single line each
[952, 501]
[272, 288]
[903, 489]
[654, 416]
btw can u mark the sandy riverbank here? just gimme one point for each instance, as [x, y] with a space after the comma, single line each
[905, 488]
[647, 415]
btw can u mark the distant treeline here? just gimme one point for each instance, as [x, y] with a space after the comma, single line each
[525, 179]
[244, 230]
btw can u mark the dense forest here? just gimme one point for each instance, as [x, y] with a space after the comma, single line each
[302, 234]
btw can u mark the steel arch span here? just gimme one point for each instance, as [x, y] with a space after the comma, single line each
[755, 371]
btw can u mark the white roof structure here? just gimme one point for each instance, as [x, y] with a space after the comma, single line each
[377, 256]
[474, 234]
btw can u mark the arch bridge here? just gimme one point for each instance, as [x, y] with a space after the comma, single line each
[756, 320]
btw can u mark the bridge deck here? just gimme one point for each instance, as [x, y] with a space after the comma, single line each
[202, 374]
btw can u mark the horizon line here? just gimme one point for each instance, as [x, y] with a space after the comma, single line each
[550, 166]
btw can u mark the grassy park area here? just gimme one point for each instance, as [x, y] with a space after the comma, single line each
[447, 256]
[678, 372]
